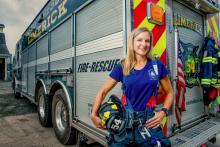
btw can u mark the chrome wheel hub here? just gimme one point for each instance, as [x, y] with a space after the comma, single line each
[60, 115]
[42, 106]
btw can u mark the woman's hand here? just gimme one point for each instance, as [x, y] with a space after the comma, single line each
[155, 121]
[97, 122]
[108, 85]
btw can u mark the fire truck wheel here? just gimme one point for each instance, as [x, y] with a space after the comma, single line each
[61, 120]
[44, 105]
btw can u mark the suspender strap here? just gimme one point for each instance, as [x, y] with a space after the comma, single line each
[155, 67]
[128, 106]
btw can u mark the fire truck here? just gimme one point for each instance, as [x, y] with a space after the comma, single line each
[68, 50]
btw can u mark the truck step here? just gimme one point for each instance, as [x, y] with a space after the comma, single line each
[196, 135]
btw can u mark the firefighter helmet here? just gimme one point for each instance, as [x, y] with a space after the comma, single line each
[113, 115]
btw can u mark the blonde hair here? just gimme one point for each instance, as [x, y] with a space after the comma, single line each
[130, 60]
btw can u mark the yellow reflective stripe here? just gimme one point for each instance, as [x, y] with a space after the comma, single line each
[216, 85]
[107, 114]
[214, 81]
[109, 102]
[114, 107]
[160, 46]
[208, 58]
[210, 105]
[218, 54]
[207, 61]
[136, 3]
[214, 61]
[208, 28]
[218, 99]
[144, 23]
[206, 80]
[164, 120]
[215, 25]
[203, 83]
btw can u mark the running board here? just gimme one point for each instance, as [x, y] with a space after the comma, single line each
[197, 135]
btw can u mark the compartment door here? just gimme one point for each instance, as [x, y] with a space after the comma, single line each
[191, 28]
[99, 46]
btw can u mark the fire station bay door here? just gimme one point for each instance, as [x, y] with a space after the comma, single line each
[190, 39]
[2, 68]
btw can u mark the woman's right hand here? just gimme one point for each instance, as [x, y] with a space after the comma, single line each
[97, 122]
[108, 85]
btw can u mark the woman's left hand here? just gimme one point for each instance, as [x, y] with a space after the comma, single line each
[155, 121]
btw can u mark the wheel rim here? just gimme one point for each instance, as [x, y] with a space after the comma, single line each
[42, 106]
[60, 114]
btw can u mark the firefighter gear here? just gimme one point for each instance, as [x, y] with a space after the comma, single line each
[126, 126]
[210, 69]
[113, 116]
[137, 134]
[209, 66]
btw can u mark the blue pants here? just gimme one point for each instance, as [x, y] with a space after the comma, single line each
[133, 137]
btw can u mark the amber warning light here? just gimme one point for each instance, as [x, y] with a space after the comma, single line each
[155, 14]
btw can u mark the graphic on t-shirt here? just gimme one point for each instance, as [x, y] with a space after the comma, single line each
[152, 74]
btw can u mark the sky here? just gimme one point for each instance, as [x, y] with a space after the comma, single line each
[17, 15]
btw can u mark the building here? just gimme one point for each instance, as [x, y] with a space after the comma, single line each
[4, 55]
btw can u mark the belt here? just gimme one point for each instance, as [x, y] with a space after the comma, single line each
[138, 118]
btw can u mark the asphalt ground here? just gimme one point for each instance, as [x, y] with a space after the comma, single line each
[9, 106]
[19, 124]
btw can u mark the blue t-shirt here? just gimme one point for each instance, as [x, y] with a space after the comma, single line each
[140, 84]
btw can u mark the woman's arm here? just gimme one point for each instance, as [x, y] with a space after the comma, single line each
[155, 121]
[167, 87]
[107, 86]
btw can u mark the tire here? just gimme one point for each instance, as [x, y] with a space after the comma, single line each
[61, 121]
[44, 105]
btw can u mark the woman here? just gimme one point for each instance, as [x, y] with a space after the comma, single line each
[137, 74]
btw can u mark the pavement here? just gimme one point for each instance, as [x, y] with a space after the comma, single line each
[19, 124]
[25, 131]
[10, 106]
